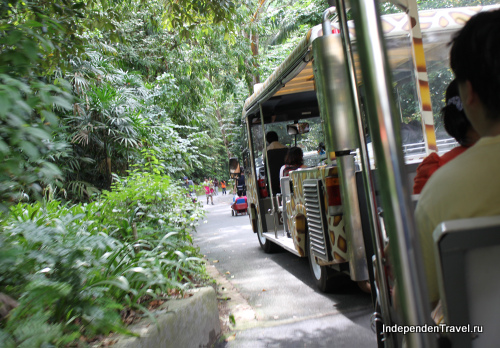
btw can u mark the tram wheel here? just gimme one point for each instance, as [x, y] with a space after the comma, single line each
[266, 245]
[323, 275]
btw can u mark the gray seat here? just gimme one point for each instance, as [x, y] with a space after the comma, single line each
[468, 257]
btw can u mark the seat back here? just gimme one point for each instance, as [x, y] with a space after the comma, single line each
[276, 159]
[285, 192]
[468, 254]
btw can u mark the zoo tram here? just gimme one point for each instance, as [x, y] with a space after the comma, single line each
[342, 211]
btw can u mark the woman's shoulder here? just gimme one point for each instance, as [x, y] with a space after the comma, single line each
[452, 154]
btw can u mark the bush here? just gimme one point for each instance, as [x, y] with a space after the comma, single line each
[74, 268]
[200, 190]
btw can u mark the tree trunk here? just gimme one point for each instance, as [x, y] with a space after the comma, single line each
[255, 53]
[107, 166]
[221, 126]
[254, 43]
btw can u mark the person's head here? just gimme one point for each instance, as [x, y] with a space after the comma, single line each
[455, 122]
[475, 60]
[271, 136]
[294, 156]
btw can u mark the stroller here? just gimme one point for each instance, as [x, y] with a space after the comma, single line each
[239, 205]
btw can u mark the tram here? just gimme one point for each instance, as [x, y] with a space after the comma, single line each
[343, 85]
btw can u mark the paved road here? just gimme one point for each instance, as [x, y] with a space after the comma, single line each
[278, 288]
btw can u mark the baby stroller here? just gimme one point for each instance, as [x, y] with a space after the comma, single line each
[239, 206]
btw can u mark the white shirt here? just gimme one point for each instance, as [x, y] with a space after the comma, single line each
[467, 186]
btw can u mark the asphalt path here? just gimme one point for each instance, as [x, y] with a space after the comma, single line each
[289, 310]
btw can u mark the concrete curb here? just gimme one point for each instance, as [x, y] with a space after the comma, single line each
[191, 322]
[242, 311]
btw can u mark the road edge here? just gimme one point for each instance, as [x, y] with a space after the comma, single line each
[189, 322]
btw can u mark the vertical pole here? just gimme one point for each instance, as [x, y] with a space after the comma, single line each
[383, 119]
[383, 295]
[254, 173]
[420, 71]
[337, 109]
[273, 209]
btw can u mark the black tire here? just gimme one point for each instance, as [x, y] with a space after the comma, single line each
[266, 245]
[323, 276]
[232, 212]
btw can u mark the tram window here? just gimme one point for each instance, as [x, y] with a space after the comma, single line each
[406, 87]
[307, 141]
[258, 141]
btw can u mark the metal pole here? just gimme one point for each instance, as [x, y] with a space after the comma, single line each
[398, 213]
[337, 110]
[254, 172]
[273, 210]
[420, 71]
[384, 295]
[326, 24]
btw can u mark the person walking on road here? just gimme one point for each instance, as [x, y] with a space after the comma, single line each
[223, 186]
[209, 190]
[216, 186]
[189, 185]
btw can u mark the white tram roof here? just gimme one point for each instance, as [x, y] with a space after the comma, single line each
[295, 75]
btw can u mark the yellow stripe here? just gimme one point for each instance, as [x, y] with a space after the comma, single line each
[419, 55]
[431, 137]
[425, 95]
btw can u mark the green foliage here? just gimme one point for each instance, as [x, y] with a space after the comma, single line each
[29, 34]
[133, 83]
[75, 267]
[26, 123]
[284, 21]
[186, 14]
[149, 203]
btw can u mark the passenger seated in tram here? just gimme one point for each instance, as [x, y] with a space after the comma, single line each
[468, 186]
[294, 160]
[273, 141]
[458, 126]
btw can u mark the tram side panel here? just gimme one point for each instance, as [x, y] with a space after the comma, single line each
[333, 231]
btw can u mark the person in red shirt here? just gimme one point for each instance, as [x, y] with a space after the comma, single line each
[458, 126]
